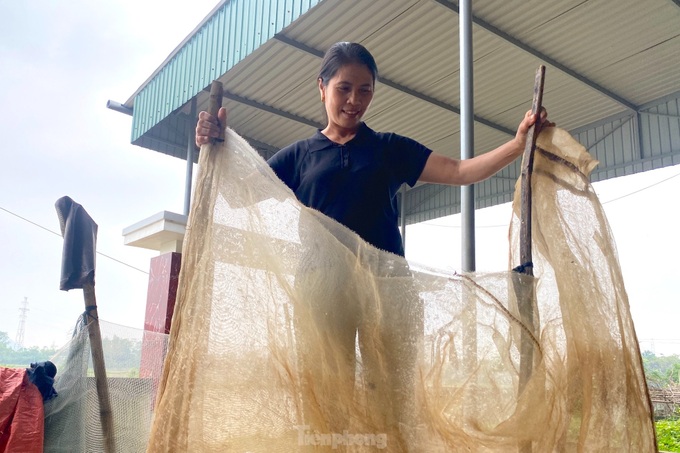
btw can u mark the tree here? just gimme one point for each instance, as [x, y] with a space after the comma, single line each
[21, 357]
[661, 371]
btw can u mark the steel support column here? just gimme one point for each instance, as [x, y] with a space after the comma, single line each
[467, 193]
[190, 157]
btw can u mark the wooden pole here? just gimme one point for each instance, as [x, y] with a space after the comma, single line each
[527, 170]
[78, 267]
[216, 92]
[524, 288]
[525, 302]
[105, 413]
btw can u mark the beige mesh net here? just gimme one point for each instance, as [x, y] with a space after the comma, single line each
[292, 334]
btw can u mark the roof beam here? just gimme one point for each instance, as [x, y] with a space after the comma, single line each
[264, 149]
[270, 109]
[274, 110]
[260, 144]
[404, 89]
[261, 147]
[552, 62]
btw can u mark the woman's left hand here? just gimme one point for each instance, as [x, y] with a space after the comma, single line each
[527, 122]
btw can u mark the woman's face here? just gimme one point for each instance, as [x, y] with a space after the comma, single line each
[347, 96]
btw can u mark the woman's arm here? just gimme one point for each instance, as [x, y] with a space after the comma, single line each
[440, 169]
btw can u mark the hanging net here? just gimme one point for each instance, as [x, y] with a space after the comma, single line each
[292, 334]
[72, 419]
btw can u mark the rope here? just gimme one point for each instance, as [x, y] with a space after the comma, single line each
[87, 313]
[497, 303]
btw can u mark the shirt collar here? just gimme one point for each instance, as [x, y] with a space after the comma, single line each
[319, 141]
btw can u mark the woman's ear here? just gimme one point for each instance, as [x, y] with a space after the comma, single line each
[322, 90]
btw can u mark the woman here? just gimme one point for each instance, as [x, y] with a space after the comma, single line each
[352, 174]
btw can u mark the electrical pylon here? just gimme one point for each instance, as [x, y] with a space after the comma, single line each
[19, 340]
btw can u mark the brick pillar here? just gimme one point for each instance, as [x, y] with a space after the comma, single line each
[160, 304]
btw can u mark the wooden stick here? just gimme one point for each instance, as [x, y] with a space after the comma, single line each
[216, 92]
[527, 169]
[524, 289]
[105, 413]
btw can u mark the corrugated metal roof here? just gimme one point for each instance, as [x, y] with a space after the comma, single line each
[229, 34]
[604, 58]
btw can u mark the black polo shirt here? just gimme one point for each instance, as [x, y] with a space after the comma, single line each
[355, 183]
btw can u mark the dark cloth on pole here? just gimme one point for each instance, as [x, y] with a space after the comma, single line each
[80, 244]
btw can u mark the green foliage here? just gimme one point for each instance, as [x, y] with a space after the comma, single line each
[4, 340]
[122, 355]
[21, 358]
[668, 435]
[661, 371]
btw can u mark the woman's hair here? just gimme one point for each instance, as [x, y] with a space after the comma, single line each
[344, 53]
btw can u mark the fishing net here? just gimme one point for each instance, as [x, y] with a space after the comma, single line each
[292, 334]
[72, 419]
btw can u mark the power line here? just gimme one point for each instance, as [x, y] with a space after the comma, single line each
[640, 190]
[57, 234]
[29, 221]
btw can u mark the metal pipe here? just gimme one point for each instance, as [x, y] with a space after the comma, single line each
[638, 133]
[190, 157]
[467, 193]
[118, 107]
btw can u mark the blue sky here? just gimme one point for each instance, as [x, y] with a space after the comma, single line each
[61, 62]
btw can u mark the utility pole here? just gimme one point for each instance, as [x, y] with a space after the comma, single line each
[19, 340]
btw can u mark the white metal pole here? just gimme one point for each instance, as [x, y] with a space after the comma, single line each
[190, 158]
[467, 193]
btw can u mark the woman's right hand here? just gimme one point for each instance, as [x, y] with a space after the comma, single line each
[209, 127]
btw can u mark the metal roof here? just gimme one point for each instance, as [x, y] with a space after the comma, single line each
[605, 59]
